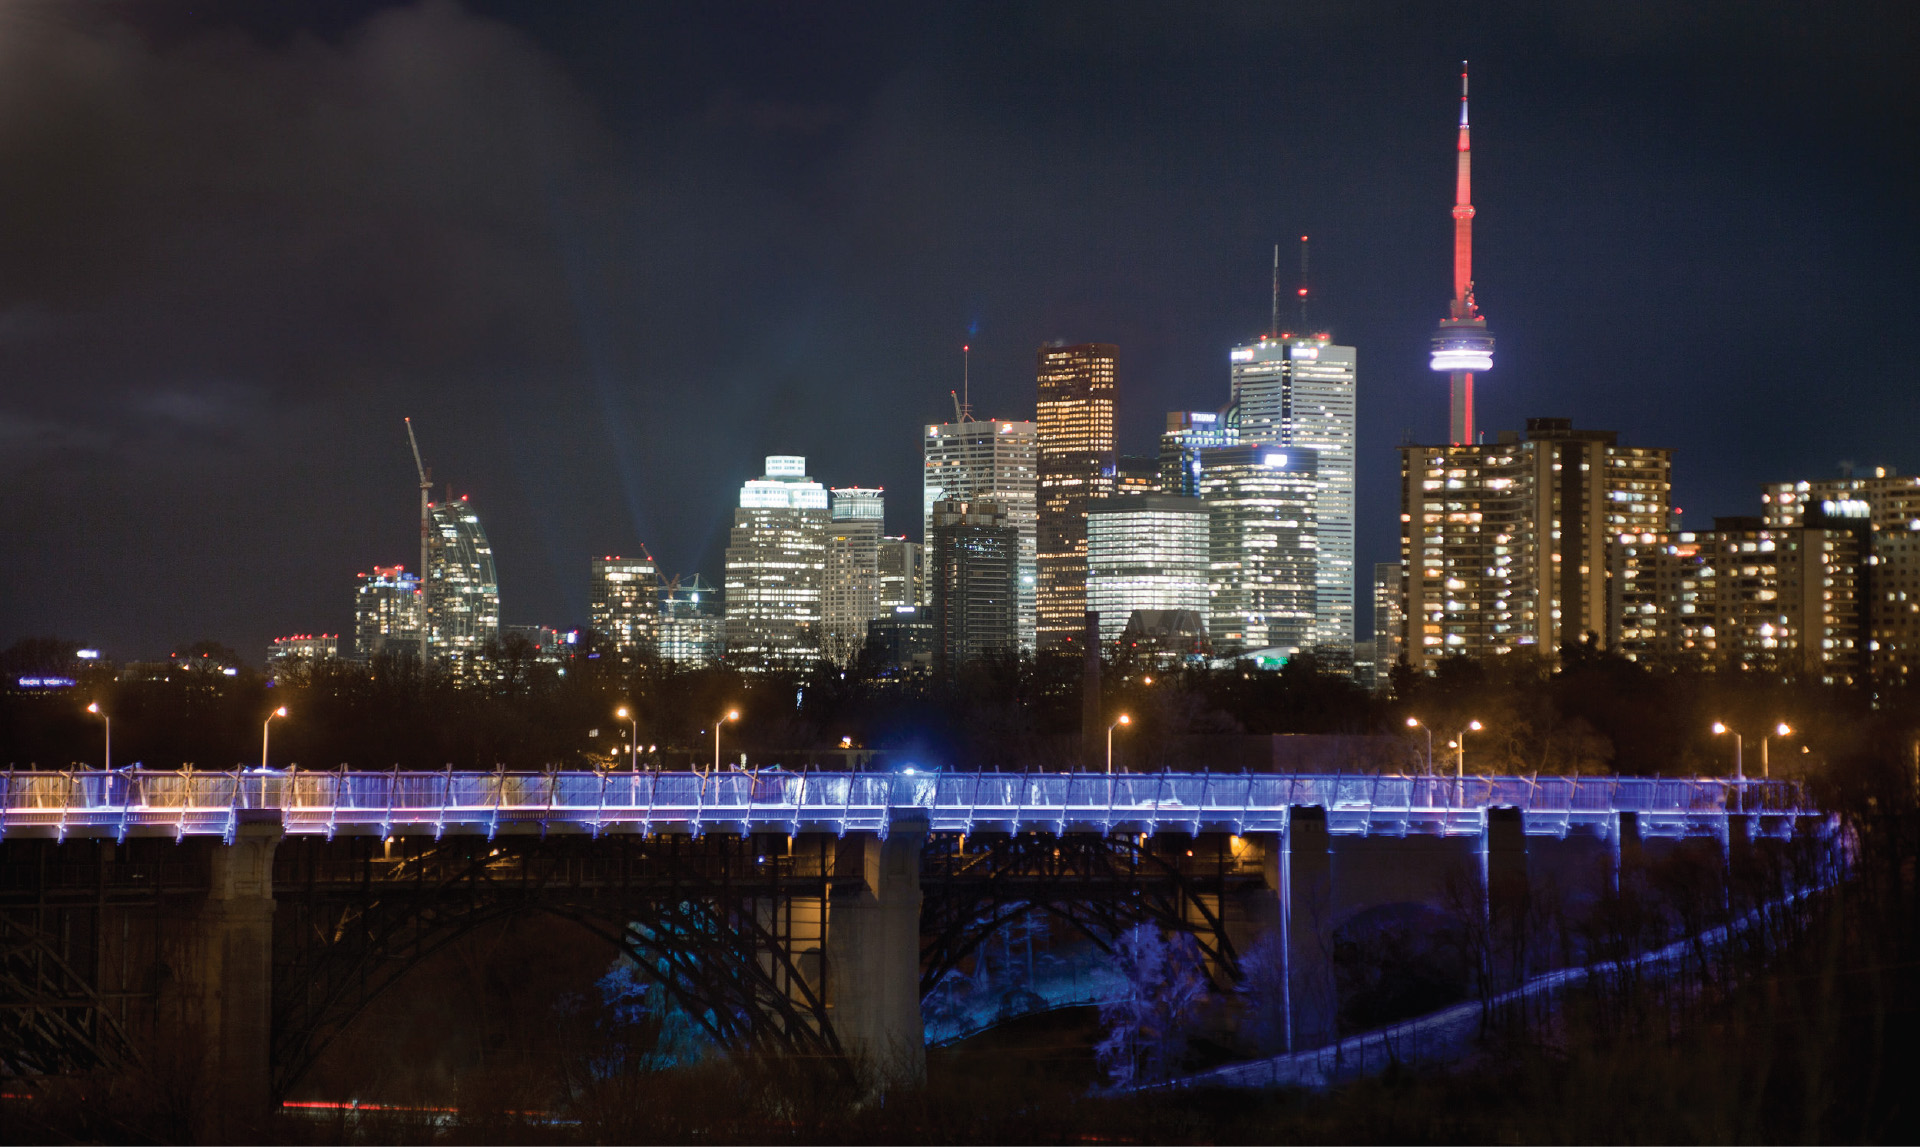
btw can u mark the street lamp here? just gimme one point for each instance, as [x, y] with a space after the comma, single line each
[1461, 760]
[1414, 723]
[1739, 774]
[1123, 720]
[108, 722]
[625, 715]
[264, 726]
[1780, 730]
[732, 715]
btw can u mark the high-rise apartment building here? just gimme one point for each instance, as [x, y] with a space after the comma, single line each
[462, 591]
[1075, 425]
[1262, 548]
[1883, 507]
[852, 589]
[1189, 432]
[973, 566]
[1515, 544]
[776, 568]
[693, 630]
[1749, 595]
[624, 605]
[387, 609]
[901, 574]
[972, 460]
[1298, 391]
[1146, 552]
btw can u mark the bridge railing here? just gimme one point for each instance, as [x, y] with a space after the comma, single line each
[196, 801]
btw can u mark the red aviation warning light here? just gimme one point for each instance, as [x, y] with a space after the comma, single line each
[1461, 343]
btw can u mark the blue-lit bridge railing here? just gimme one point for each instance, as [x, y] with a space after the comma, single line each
[191, 802]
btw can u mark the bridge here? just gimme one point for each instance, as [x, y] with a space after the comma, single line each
[253, 914]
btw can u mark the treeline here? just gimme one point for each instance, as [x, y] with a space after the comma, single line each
[1586, 711]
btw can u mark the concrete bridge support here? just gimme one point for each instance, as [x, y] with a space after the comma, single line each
[216, 999]
[873, 954]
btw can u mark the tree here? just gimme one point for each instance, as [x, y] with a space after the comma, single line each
[1148, 1024]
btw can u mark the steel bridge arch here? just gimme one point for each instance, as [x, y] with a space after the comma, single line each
[376, 941]
[1101, 885]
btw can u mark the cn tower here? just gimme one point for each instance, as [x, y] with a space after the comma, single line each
[1462, 344]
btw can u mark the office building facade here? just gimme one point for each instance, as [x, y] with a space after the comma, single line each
[852, 594]
[1517, 544]
[902, 573]
[1188, 433]
[973, 567]
[1146, 552]
[693, 627]
[776, 569]
[972, 460]
[1299, 392]
[1262, 545]
[1074, 421]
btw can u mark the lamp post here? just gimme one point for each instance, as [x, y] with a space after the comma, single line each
[1739, 774]
[731, 715]
[264, 727]
[1123, 720]
[1779, 730]
[1414, 723]
[627, 715]
[1461, 760]
[108, 722]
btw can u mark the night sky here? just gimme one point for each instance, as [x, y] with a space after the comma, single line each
[609, 256]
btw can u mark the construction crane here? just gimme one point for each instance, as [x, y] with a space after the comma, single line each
[426, 535]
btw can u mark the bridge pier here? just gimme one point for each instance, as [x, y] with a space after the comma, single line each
[216, 998]
[873, 954]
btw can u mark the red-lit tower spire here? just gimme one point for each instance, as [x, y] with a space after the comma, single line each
[1462, 344]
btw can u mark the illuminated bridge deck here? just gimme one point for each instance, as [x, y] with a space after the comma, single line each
[196, 803]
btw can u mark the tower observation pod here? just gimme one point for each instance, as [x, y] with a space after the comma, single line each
[1462, 344]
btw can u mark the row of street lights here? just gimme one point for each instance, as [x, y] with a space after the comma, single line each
[1459, 744]
[1779, 730]
[627, 715]
[107, 723]
[1739, 772]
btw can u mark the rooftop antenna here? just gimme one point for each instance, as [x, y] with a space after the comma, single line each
[1303, 284]
[966, 382]
[1273, 331]
[426, 534]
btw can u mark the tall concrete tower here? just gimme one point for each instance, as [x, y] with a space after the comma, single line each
[1462, 344]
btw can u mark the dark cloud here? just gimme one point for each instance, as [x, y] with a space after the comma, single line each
[608, 256]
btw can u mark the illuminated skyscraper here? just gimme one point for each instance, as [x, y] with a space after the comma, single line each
[463, 593]
[387, 606]
[852, 589]
[901, 574]
[693, 631]
[776, 568]
[1262, 548]
[973, 563]
[1146, 552]
[625, 604]
[1517, 543]
[1075, 425]
[1389, 619]
[964, 461]
[1188, 433]
[1297, 391]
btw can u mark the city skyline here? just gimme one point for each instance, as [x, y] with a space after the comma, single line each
[589, 409]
